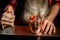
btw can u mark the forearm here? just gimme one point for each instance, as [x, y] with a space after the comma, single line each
[54, 11]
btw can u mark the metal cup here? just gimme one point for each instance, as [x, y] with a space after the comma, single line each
[35, 25]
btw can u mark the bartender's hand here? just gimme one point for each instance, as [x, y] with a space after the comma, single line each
[8, 16]
[48, 27]
[8, 20]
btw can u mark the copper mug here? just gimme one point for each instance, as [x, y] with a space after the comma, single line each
[35, 25]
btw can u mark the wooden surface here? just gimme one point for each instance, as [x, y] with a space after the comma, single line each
[24, 30]
[23, 33]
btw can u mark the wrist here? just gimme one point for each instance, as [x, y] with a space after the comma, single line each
[49, 19]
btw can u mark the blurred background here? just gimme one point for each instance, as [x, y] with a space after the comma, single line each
[20, 4]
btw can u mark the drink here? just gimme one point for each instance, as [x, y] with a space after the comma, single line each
[6, 29]
[35, 24]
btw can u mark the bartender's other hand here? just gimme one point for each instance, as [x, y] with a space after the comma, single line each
[8, 17]
[48, 27]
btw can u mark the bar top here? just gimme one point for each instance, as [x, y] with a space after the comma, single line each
[24, 30]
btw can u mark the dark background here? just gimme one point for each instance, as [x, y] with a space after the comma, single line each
[20, 4]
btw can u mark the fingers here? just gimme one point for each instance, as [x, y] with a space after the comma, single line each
[8, 23]
[48, 28]
[54, 29]
[51, 29]
[44, 25]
